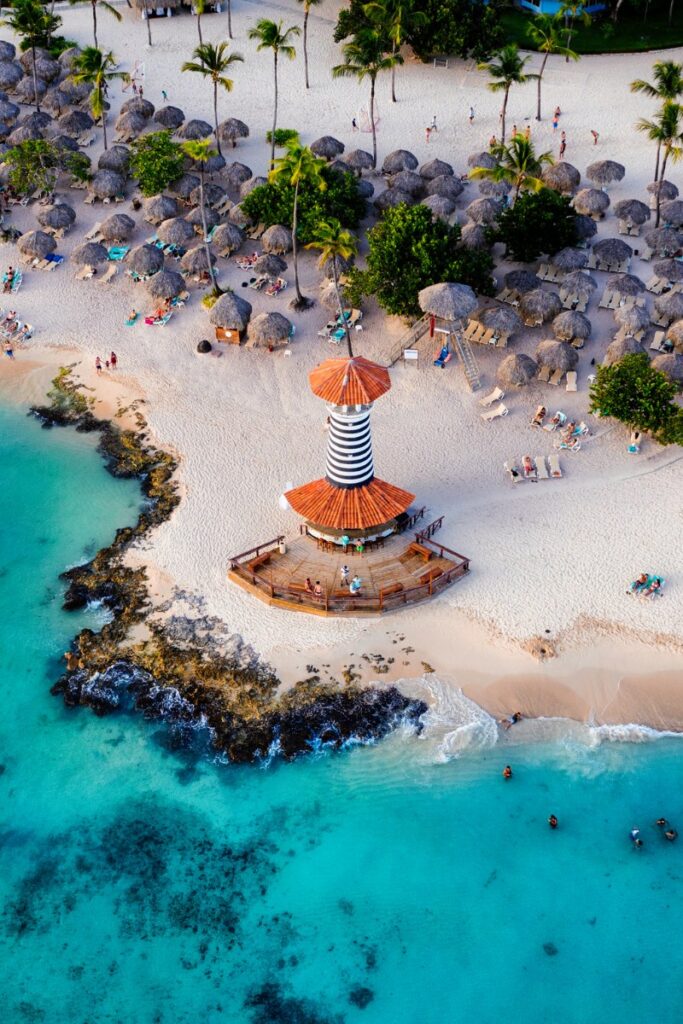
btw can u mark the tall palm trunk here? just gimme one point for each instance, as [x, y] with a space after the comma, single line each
[505, 107]
[272, 139]
[373, 78]
[35, 76]
[306, 13]
[393, 74]
[671, 12]
[199, 28]
[229, 19]
[149, 27]
[300, 300]
[538, 87]
[667, 150]
[659, 150]
[93, 4]
[569, 38]
[341, 307]
[215, 116]
[205, 239]
[103, 115]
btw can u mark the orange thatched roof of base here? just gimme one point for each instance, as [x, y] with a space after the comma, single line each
[353, 508]
[355, 381]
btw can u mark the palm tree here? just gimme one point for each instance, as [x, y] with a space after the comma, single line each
[518, 163]
[570, 10]
[298, 166]
[307, 10]
[397, 18]
[97, 69]
[668, 85]
[548, 37]
[335, 242]
[507, 70]
[30, 21]
[213, 62]
[270, 36]
[667, 131]
[148, 20]
[365, 58]
[199, 151]
[94, 5]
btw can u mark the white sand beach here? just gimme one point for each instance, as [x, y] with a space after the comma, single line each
[551, 559]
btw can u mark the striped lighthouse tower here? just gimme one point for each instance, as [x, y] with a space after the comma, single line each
[349, 499]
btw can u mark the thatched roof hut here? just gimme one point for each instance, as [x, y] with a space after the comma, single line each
[563, 177]
[440, 207]
[484, 211]
[570, 259]
[213, 194]
[77, 92]
[36, 244]
[196, 129]
[592, 202]
[675, 335]
[392, 197]
[269, 330]
[516, 371]
[237, 215]
[90, 254]
[27, 89]
[670, 306]
[146, 260]
[579, 283]
[185, 185]
[500, 318]
[365, 188]
[632, 319]
[328, 297]
[107, 184]
[448, 301]
[446, 185]
[26, 58]
[359, 160]
[175, 231]
[407, 181]
[56, 101]
[138, 105]
[671, 365]
[228, 237]
[194, 260]
[116, 158]
[236, 173]
[231, 312]
[47, 69]
[327, 147]
[612, 250]
[539, 306]
[270, 264]
[24, 133]
[670, 270]
[167, 284]
[604, 172]
[571, 325]
[342, 266]
[170, 118]
[8, 51]
[625, 284]
[248, 186]
[159, 208]
[198, 217]
[65, 143]
[672, 213]
[39, 119]
[557, 355]
[59, 217]
[117, 228]
[399, 160]
[277, 238]
[633, 211]
[663, 241]
[586, 228]
[666, 189]
[232, 130]
[483, 159]
[130, 125]
[522, 281]
[435, 169]
[473, 236]
[10, 75]
[68, 56]
[8, 111]
[494, 189]
[620, 347]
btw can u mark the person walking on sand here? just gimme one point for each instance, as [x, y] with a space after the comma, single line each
[428, 132]
[164, 95]
[113, 359]
[556, 123]
[596, 136]
[9, 351]
[98, 365]
[557, 112]
[432, 126]
[493, 142]
[354, 125]
[471, 115]
[563, 147]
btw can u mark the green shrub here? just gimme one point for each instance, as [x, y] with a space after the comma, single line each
[538, 223]
[156, 161]
[636, 394]
[273, 203]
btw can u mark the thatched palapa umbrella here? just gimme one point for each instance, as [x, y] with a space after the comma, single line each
[329, 299]
[56, 100]
[25, 133]
[327, 147]
[116, 158]
[342, 266]
[675, 335]
[8, 51]
[146, 260]
[231, 312]
[277, 238]
[358, 160]
[445, 185]
[473, 236]
[591, 202]
[399, 160]
[494, 189]
[407, 181]
[67, 57]
[36, 244]
[269, 330]
[612, 251]
[46, 68]
[632, 211]
[339, 166]
[670, 306]
[196, 129]
[632, 319]
[59, 217]
[671, 365]
[237, 215]
[620, 347]
[90, 254]
[270, 264]
[484, 211]
[130, 125]
[232, 130]
[672, 213]
[8, 111]
[138, 105]
[557, 355]
[365, 188]
[107, 184]
[539, 306]
[435, 169]
[569, 259]
[586, 228]
[516, 371]
[500, 318]
[563, 177]
[76, 93]
[160, 208]
[213, 194]
[210, 217]
[248, 186]
[228, 238]
[481, 160]
[663, 241]
[185, 185]
[669, 269]
[175, 231]
[448, 301]
[604, 172]
[26, 58]
[440, 207]
[392, 197]
[521, 281]
[571, 326]
[10, 75]
[194, 260]
[236, 173]
[167, 284]
[625, 284]
[39, 119]
[28, 89]
[117, 228]
[666, 190]
[170, 118]
[65, 143]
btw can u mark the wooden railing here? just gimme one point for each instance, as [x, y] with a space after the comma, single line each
[429, 531]
[255, 552]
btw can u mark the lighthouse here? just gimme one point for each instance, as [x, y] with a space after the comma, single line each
[349, 500]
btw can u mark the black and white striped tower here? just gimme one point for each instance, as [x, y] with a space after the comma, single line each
[349, 446]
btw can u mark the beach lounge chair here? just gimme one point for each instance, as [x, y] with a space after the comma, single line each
[541, 469]
[470, 329]
[94, 232]
[118, 252]
[257, 231]
[132, 320]
[659, 319]
[554, 465]
[54, 259]
[109, 273]
[39, 264]
[571, 380]
[276, 287]
[335, 337]
[86, 139]
[223, 206]
[592, 262]
[495, 396]
[488, 337]
[581, 305]
[90, 198]
[494, 414]
[18, 279]
[513, 472]
[558, 420]
[84, 273]
[645, 253]
[659, 343]
[544, 374]
[529, 469]
[556, 377]
[259, 282]
[539, 416]
[505, 295]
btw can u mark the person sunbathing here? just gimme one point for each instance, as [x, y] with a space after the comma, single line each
[10, 316]
[639, 583]
[528, 466]
[541, 414]
[655, 588]
[557, 420]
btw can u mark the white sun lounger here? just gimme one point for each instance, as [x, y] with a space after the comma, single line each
[495, 396]
[494, 414]
[657, 344]
[109, 273]
[541, 469]
[556, 377]
[544, 374]
[571, 380]
[94, 231]
[554, 463]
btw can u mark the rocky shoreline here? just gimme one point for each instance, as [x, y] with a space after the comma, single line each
[188, 685]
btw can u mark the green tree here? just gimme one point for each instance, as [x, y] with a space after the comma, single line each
[95, 4]
[571, 11]
[364, 57]
[307, 10]
[76, 164]
[299, 165]
[156, 161]
[97, 69]
[199, 151]
[270, 36]
[539, 222]
[548, 36]
[335, 243]
[636, 394]
[408, 251]
[667, 131]
[31, 22]
[33, 166]
[213, 62]
[398, 18]
[506, 70]
[518, 164]
[668, 85]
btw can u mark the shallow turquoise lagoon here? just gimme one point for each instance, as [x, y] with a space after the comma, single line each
[142, 885]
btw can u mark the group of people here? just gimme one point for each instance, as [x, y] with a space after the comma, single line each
[354, 584]
[668, 832]
[647, 586]
[109, 364]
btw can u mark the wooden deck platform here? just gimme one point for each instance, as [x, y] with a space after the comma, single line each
[407, 568]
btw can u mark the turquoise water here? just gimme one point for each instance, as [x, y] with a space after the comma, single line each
[142, 885]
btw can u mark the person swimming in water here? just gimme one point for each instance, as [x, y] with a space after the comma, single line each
[671, 834]
[514, 718]
[552, 821]
[661, 822]
[634, 834]
[507, 772]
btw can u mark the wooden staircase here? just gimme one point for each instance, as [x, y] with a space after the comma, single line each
[464, 350]
[410, 338]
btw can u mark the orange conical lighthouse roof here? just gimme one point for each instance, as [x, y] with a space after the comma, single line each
[356, 381]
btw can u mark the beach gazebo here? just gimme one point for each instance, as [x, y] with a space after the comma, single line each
[446, 185]
[230, 316]
[277, 238]
[349, 501]
[572, 327]
[170, 118]
[434, 169]
[671, 365]
[399, 160]
[620, 347]
[604, 172]
[117, 228]
[232, 130]
[563, 177]
[516, 371]
[268, 330]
